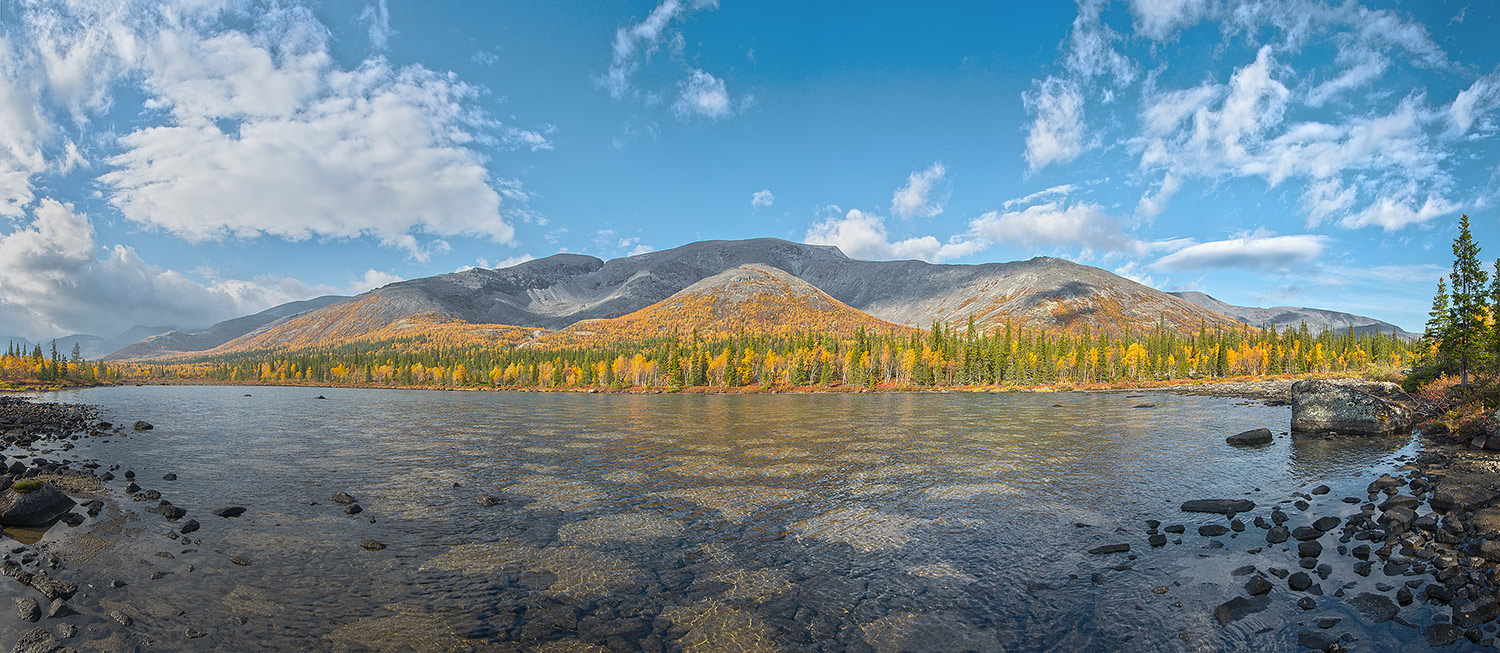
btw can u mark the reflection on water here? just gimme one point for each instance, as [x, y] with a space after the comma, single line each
[703, 523]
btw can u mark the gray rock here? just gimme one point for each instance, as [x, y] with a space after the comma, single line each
[1212, 530]
[1317, 640]
[1278, 534]
[1304, 533]
[1319, 405]
[1462, 498]
[121, 618]
[53, 588]
[189, 526]
[487, 501]
[1238, 607]
[1375, 607]
[1309, 549]
[1110, 548]
[1257, 585]
[230, 511]
[1299, 581]
[60, 608]
[372, 545]
[1442, 634]
[1251, 437]
[29, 609]
[1476, 612]
[142, 425]
[33, 508]
[342, 498]
[1326, 524]
[38, 640]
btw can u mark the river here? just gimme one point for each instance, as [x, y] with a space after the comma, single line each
[937, 522]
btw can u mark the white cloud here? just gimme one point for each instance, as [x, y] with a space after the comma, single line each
[1059, 191]
[381, 152]
[55, 284]
[863, 235]
[1054, 224]
[1056, 134]
[1472, 103]
[1154, 202]
[371, 280]
[510, 261]
[1366, 67]
[1253, 251]
[762, 198]
[1090, 48]
[377, 17]
[919, 196]
[1394, 212]
[1159, 19]
[1325, 198]
[637, 42]
[702, 95]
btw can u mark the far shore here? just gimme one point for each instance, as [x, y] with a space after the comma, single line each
[1269, 388]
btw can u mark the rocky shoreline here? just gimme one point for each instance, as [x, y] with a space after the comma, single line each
[36, 437]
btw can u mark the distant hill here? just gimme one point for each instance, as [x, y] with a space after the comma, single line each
[1283, 317]
[176, 343]
[562, 290]
[754, 298]
[91, 347]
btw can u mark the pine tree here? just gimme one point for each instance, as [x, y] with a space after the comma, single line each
[1439, 320]
[1470, 302]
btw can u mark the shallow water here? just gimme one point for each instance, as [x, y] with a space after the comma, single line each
[703, 522]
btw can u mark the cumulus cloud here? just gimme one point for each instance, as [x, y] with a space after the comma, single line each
[1056, 134]
[1472, 103]
[371, 280]
[863, 235]
[762, 198]
[57, 280]
[1159, 19]
[702, 96]
[920, 196]
[1259, 252]
[1054, 224]
[1394, 212]
[316, 151]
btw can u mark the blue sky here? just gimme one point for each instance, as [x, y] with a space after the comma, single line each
[179, 163]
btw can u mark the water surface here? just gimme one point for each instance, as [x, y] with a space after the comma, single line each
[699, 522]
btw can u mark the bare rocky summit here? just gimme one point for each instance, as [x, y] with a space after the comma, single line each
[561, 290]
[1292, 317]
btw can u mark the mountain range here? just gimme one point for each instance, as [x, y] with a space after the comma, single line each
[722, 286]
[1292, 317]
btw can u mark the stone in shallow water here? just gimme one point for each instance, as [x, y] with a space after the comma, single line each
[865, 529]
[618, 528]
[928, 632]
[1238, 607]
[581, 573]
[557, 493]
[411, 627]
[1221, 506]
[713, 626]
[1375, 607]
[33, 508]
[735, 502]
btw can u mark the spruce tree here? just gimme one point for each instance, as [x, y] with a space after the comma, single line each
[1468, 285]
[1439, 320]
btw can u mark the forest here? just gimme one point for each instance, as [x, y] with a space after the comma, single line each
[20, 369]
[941, 356]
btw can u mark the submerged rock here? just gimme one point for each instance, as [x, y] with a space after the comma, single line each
[34, 507]
[1220, 506]
[1238, 607]
[1110, 548]
[230, 511]
[142, 425]
[1251, 437]
[1319, 405]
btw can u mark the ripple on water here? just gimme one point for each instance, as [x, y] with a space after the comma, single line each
[626, 477]
[616, 528]
[927, 631]
[411, 628]
[557, 493]
[581, 573]
[711, 627]
[735, 502]
[752, 584]
[863, 528]
[941, 571]
[964, 491]
[888, 471]
[779, 453]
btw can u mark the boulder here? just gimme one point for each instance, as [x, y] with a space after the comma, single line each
[33, 508]
[1110, 548]
[1252, 437]
[1220, 506]
[1319, 405]
[142, 425]
[1236, 608]
[1477, 612]
[1461, 498]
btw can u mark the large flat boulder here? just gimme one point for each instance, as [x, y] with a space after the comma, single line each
[1251, 437]
[1462, 498]
[1319, 405]
[33, 508]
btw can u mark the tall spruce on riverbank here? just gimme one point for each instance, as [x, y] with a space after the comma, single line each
[1462, 334]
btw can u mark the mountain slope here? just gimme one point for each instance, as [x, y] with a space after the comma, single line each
[564, 289]
[756, 298]
[1283, 317]
[175, 343]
